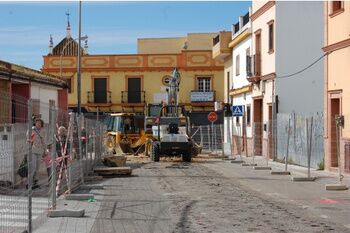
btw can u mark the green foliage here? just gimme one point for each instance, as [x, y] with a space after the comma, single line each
[320, 165]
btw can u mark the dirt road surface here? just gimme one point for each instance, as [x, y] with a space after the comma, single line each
[172, 196]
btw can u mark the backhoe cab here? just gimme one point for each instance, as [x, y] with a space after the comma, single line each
[125, 133]
[171, 131]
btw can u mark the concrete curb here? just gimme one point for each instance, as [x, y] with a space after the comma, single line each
[336, 187]
[66, 213]
[261, 168]
[280, 173]
[79, 197]
[312, 178]
[249, 164]
[237, 161]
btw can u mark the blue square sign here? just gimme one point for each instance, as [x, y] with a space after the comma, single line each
[237, 110]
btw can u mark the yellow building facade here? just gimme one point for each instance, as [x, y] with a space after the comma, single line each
[337, 83]
[128, 82]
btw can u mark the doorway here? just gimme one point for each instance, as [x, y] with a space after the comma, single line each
[134, 90]
[258, 126]
[100, 90]
[335, 110]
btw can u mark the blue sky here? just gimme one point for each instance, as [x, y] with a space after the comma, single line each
[112, 27]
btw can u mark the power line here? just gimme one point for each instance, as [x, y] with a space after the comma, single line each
[302, 70]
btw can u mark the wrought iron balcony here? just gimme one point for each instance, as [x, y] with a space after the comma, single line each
[133, 97]
[253, 67]
[200, 96]
[99, 98]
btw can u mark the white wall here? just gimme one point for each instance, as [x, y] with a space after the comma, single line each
[299, 42]
[44, 94]
[241, 81]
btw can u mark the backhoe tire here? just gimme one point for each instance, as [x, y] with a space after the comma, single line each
[187, 157]
[155, 156]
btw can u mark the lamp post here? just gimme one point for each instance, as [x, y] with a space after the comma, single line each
[64, 48]
[79, 63]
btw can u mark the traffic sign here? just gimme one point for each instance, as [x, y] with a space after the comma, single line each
[237, 110]
[212, 117]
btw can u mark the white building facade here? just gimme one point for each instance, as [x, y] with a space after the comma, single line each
[241, 91]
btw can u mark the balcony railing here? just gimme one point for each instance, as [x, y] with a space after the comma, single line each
[253, 67]
[133, 97]
[202, 96]
[99, 98]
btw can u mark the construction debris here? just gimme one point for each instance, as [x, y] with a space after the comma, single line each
[115, 160]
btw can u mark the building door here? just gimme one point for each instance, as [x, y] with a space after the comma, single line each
[335, 110]
[100, 90]
[258, 126]
[134, 90]
[270, 132]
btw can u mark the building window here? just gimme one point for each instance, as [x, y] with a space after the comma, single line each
[336, 6]
[237, 65]
[204, 84]
[248, 110]
[271, 35]
[69, 84]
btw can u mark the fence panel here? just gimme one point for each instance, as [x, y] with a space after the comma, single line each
[210, 137]
[52, 159]
[292, 136]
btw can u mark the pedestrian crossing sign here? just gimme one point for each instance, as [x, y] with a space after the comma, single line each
[237, 110]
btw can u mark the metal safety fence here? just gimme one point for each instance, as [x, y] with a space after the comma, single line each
[300, 139]
[45, 153]
[209, 137]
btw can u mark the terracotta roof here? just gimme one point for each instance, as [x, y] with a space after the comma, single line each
[24, 73]
[69, 47]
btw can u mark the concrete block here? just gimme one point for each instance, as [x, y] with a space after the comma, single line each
[280, 173]
[237, 161]
[249, 164]
[113, 170]
[79, 197]
[66, 213]
[229, 159]
[91, 186]
[336, 187]
[261, 168]
[304, 178]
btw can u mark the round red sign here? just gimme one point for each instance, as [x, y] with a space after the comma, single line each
[212, 116]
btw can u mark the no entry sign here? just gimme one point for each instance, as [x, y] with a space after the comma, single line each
[212, 116]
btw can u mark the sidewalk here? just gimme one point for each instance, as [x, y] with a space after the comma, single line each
[311, 196]
[71, 224]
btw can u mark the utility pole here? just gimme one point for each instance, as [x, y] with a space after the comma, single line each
[79, 63]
